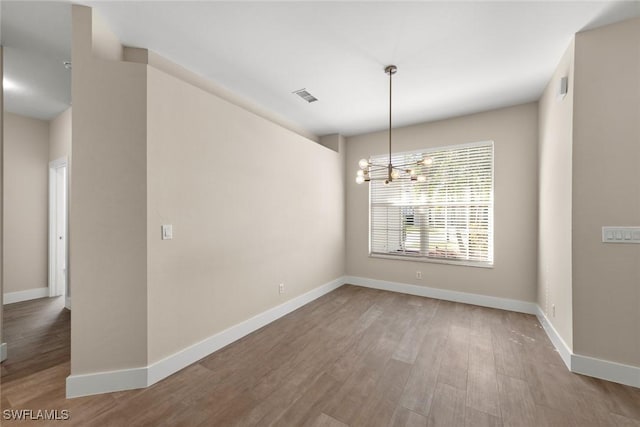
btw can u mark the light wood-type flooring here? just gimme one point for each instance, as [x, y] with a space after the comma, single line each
[355, 357]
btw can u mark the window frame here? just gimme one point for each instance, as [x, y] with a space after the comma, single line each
[435, 260]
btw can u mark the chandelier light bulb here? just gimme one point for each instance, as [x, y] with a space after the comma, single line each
[422, 178]
[412, 172]
[359, 179]
[395, 174]
[363, 163]
[427, 161]
[360, 172]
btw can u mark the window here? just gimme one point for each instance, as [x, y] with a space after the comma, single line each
[449, 217]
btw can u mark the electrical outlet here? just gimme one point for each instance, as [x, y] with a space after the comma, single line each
[281, 288]
[553, 310]
[418, 274]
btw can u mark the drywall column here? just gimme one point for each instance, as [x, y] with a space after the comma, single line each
[606, 191]
[108, 208]
[555, 115]
[338, 143]
[3, 345]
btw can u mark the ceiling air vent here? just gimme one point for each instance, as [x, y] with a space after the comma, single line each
[302, 93]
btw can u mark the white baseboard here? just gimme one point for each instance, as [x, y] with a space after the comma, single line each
[557, 341]
[105, 382]
[3, 351]
[598, 368]
[189, 355]
[444, 294]
[29, 294]
[606, 370]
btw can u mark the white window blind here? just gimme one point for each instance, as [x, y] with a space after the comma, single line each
[447, 217]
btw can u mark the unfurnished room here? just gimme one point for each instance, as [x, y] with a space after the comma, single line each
[320, 213]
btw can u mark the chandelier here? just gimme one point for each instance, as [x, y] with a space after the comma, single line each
[414, 170]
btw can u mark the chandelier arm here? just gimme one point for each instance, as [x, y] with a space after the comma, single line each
[403, 166]
[397, 165]
[400, 178]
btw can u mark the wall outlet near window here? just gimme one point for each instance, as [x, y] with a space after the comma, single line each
[281, 288]
[418, 274]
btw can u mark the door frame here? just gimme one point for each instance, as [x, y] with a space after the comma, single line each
[54, 290]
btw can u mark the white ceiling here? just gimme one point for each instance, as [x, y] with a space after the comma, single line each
[453, 58]
[36, 37]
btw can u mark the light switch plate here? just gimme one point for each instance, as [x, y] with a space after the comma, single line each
[621, 234]
[167, 232]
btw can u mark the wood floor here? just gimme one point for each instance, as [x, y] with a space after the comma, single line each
[355, 357]
[38, 337]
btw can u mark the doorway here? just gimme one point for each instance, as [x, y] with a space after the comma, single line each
[58, 230]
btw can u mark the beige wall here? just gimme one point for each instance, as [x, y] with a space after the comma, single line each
[30, 145]
[514, 131]
[606, 191]
[555, 115]
[26, 160]
[252, 205]
[108, 230]
[1, 197]
[104, 44]
[60, 136]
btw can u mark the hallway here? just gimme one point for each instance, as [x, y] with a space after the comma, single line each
[38, 335]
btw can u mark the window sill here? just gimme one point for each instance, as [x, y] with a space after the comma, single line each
[430, 260]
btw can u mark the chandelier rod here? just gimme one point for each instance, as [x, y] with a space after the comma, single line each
[390, 93]
[391, 70]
